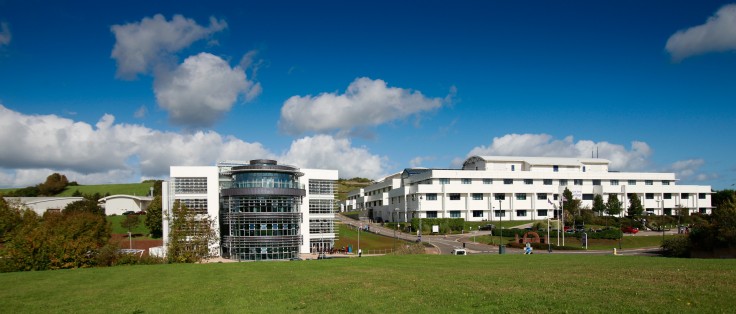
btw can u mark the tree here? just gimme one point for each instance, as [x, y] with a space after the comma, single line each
[598, 205]
[635, 209]
[55, 184]
[154, 220]
[130, 222]
[10, 218]
[85, 205]
[191, 236]
[613, 206]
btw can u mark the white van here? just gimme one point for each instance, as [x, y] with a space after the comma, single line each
[459, 252]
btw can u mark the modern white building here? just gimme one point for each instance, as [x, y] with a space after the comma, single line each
[41, 205]
[519, 188]
[121, 203]
[263, 210]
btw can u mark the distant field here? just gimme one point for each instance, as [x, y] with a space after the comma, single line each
[129, 188]
[390, 284]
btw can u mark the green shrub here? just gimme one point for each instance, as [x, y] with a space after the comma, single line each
[678, 246]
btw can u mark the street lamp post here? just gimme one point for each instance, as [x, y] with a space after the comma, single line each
[420, 218]
[396, 211]
[500, 233]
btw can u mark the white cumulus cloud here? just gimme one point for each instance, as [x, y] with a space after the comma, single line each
[718, 34]
[140, 46]
[366, 102]
[544, 145]
[201, 90]
[110, 152]
[5, 35]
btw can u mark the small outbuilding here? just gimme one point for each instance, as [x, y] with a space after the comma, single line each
[121, 203]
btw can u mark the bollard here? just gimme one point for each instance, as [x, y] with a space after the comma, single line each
[614, 251]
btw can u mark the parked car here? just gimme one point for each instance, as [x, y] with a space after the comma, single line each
[141, 212]
[130, 212]
[630, 229]
[486, 227]
[459, 252]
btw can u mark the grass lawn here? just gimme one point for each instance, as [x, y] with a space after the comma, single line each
[128, 188]
[368, 241]
[116, 228]
[388, 284]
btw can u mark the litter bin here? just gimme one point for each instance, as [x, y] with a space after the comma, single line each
[502, 249]
[463, 245]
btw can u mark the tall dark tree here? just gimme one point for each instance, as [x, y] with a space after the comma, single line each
[154, 220]
[191, 236]
[635, 209]
[598, 205]
[723, 196]
[55, 184]
[613, 206]
[85, 205]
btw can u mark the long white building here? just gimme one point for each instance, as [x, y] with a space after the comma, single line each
[263, 210]
[519, 188]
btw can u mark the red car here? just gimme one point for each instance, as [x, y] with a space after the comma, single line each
[630, 229]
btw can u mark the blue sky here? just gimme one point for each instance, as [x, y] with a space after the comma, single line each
[119, 92]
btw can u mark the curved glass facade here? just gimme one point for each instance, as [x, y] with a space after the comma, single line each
[262, 223]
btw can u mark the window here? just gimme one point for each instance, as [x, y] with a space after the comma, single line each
[320, 206]
[648, 182]
[466, 181]
[685, 196]
[454, 196]
[431, 196]
[432, 214]
[547, 181]
[577, 182]
[632, 182]
[665, 182]
[541, 212]
[668, 196]
[649, 196]
[499, 196]
[528, 181]
[513, 168]
[556, 197]
[322, 187]
[563, 182]
[701, 196]
[454, 214]
[487, 181]
[703, 210]
[500, 213]
[521, 213]
[477, 213]
[583, 168]
[596, 182]
[556, 168]
[188, 185]
[587, 197]
[614, 182]
[650, 211]
[541, 196]
[508, 181]
[444, 181]
[521, 196]
[668, 211]
[477, 196]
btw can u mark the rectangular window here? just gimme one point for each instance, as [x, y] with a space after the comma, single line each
[521, 196]
[665, 182]
[614, 182]
[454, 196]
[190, 185]
[649, 196]
[668, 196]
[563, 182]
[703, 210]
[587, 197]
[541, 212]
[528, 181]
[583, 168]
[477, 196]
[701, 196]
[684, 196]
[454, 214]
[577, 182]
[467, 181]
[322, 187]
[477, 213]
[556, 168]
[541, 196]
[648, 182]
[668, 211]
[650, 211]
[597, 182]
[487, 181]
[632, 182]
[521, 213]
[444, 181]
[508, 181]
[500, 213]
[432, 214]
[431, 196]
[556, 197]
[499, 196]
[547, 181]
[513, 168]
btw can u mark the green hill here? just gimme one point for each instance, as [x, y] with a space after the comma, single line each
[346, 185]
[112, 189]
